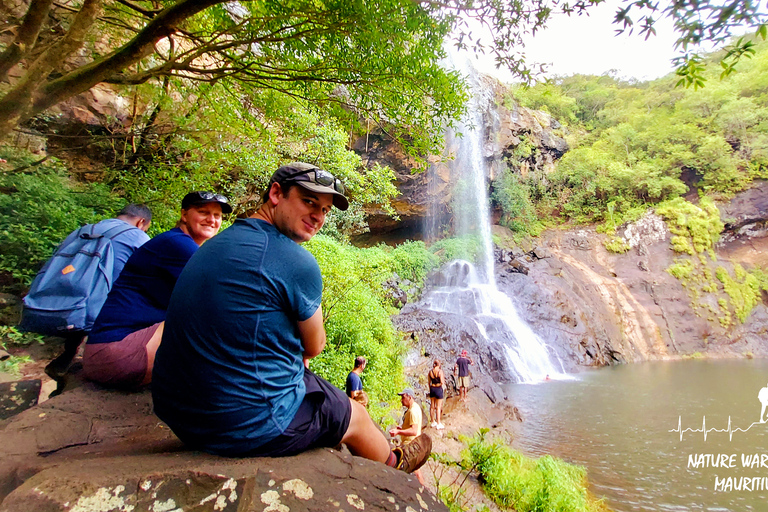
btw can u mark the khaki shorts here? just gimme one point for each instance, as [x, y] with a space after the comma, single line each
[463, 382]
[121, 364]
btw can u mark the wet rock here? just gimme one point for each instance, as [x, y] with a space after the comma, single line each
[581, 240]
[517, 266]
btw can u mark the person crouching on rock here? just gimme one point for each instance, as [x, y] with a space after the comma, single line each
[120, 350]
[232, 374]
[436, 380]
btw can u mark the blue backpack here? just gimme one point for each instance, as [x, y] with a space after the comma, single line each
[69, 291]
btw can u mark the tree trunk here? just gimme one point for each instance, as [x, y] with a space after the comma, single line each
[26, 37]
[80, 80]
[17, 103]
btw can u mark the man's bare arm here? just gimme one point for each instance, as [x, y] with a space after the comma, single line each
[312, 334]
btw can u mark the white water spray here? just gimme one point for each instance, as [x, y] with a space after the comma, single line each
[471, 291]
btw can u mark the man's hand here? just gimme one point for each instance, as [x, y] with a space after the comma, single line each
[394, 432]
[312, 334]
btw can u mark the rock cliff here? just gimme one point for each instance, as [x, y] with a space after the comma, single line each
[427, 188]
[592, 307]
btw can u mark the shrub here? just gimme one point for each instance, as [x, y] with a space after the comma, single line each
[357, 314]
[39, 209]
[517, 482]
[697, 228]
[743, 289]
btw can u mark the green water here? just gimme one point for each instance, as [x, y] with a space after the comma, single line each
[622, 424]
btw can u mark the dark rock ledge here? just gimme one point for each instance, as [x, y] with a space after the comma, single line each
[98, 451]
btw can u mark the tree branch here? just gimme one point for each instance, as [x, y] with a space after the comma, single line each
[26, 37]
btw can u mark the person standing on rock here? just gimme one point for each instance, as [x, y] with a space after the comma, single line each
[461, 370]
[232, 373]
[354, 385]
[436, 380]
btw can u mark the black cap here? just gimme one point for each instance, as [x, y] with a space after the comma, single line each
[201, 197]
[312, 178]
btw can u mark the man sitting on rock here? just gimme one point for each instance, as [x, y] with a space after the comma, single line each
[410, 429]
[121, 348]
[231, 375]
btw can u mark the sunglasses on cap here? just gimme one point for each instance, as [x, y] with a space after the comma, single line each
[208, 196]
[322, 178]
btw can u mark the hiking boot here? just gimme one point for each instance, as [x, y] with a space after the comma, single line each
[413, 455]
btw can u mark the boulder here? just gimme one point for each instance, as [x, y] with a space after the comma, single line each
[92, 449]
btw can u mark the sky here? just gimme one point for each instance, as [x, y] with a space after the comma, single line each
[588, 45]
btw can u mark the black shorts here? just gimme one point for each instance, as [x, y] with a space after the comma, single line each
[436, 392]
[321, 421]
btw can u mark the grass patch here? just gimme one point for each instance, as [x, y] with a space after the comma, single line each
[515, 481]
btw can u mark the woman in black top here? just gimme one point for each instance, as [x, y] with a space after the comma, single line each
[436, 380]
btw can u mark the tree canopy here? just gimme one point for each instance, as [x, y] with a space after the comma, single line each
[378, 60]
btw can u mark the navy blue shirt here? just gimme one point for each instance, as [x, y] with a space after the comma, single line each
[463, 364]
[353, 383]
[140, 296]
[228, 375]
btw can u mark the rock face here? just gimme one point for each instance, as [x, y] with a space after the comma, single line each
[95, 450]
[594, 308]
[427, 190]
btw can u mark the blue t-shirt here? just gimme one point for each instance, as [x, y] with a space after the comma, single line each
[463, 364]
[228, 375]
[353, 383]
[140, 296]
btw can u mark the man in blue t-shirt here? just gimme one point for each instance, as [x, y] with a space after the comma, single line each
[232, 373]
[121, 348]
[135, 220]
[354, 384]
[461, 372]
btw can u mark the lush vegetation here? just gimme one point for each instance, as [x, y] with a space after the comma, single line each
[357, 309]
[636, 145]
[39, 207]
[520, 483]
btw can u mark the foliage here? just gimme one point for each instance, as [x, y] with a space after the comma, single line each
[468, 248]
[38, 209]
[514, 197]
[616, 245]
[695, 22]
[517, 482]
[10, 336]
[697, 228]
[635, 145]
[356, 313]
[744, 289]
[208, 141]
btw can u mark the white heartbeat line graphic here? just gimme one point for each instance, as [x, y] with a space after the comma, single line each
[706, 430]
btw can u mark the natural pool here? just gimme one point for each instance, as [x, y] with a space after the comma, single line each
[623, 423]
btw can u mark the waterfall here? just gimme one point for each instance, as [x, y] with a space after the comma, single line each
[470, 289]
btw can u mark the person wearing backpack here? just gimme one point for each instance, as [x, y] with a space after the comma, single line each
[121, 348]
[69, 291]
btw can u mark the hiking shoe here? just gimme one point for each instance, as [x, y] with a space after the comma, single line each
[433, 424]
[413, 455]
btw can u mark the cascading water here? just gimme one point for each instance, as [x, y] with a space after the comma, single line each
[471, 290]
